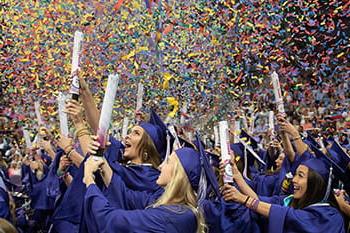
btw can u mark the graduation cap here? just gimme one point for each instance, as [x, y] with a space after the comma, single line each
[190, 161]
[214, 159]
[339, 155]
[338, 170]
[198, 170]
[239, 149]
[198, 143]
[207, 173]
[252, 140]
[322, 165]
[185, 143]
[243, 150]
[158, 132]
[311, 141]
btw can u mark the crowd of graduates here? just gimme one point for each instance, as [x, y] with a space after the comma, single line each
[155, 179]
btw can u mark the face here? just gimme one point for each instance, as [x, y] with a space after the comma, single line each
[279, 161]
[132, 141]
[166, 170]
[300, 181]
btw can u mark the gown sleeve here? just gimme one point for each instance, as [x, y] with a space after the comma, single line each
[106, 218]
[122, 197]
[309, 220]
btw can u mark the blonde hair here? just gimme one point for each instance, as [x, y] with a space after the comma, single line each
[179, 191]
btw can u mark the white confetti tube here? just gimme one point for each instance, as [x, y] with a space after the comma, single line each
[27, 138]
[125, 127]
[271, 121]
[37, 112]
[107, 108]
[139, 96]
[78, 38]
[225, 150]
[277, 91]
[61, 99]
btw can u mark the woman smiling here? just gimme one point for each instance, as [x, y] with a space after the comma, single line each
[307, 210]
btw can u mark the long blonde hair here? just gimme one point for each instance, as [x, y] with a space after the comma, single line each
[179, 191]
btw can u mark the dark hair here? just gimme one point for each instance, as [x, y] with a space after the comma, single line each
[316, 189]
[148, 151]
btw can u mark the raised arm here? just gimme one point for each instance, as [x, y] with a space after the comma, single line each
[91, 111]
[66, 144]
[47, 146]
[131, 199]
[231, 193]
[285, 128]
[238, 178]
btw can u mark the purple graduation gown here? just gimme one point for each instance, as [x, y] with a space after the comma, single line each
[316, 218]
[268, 185]
[167, 218]
[68, 215]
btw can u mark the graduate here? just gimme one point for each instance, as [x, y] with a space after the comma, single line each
[137, 163]
[279, 182]
[307, 210]
[174, 211]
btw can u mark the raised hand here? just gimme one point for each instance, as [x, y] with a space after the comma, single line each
[65, 143]
[231, 193]
[74, 110]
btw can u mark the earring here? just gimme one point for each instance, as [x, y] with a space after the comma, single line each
[145, 155]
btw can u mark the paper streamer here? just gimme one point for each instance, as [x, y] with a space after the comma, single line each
[277, 91]
[61, 99]
[125, 127]
[78, 38]
[139, 96]
[37, 112]
[107, 108]
[225, 150]
[27, 138]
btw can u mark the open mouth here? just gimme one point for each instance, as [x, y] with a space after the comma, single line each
[127, 145]
[296, 188]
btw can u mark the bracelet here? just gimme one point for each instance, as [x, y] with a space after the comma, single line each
[69, 153]
[296, 138]
[246, 200]
[65, 149]
[78, 131]
[249, 204]
[83, 133]
[255, 205]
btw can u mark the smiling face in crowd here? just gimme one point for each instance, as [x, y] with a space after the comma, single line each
[300, 181]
